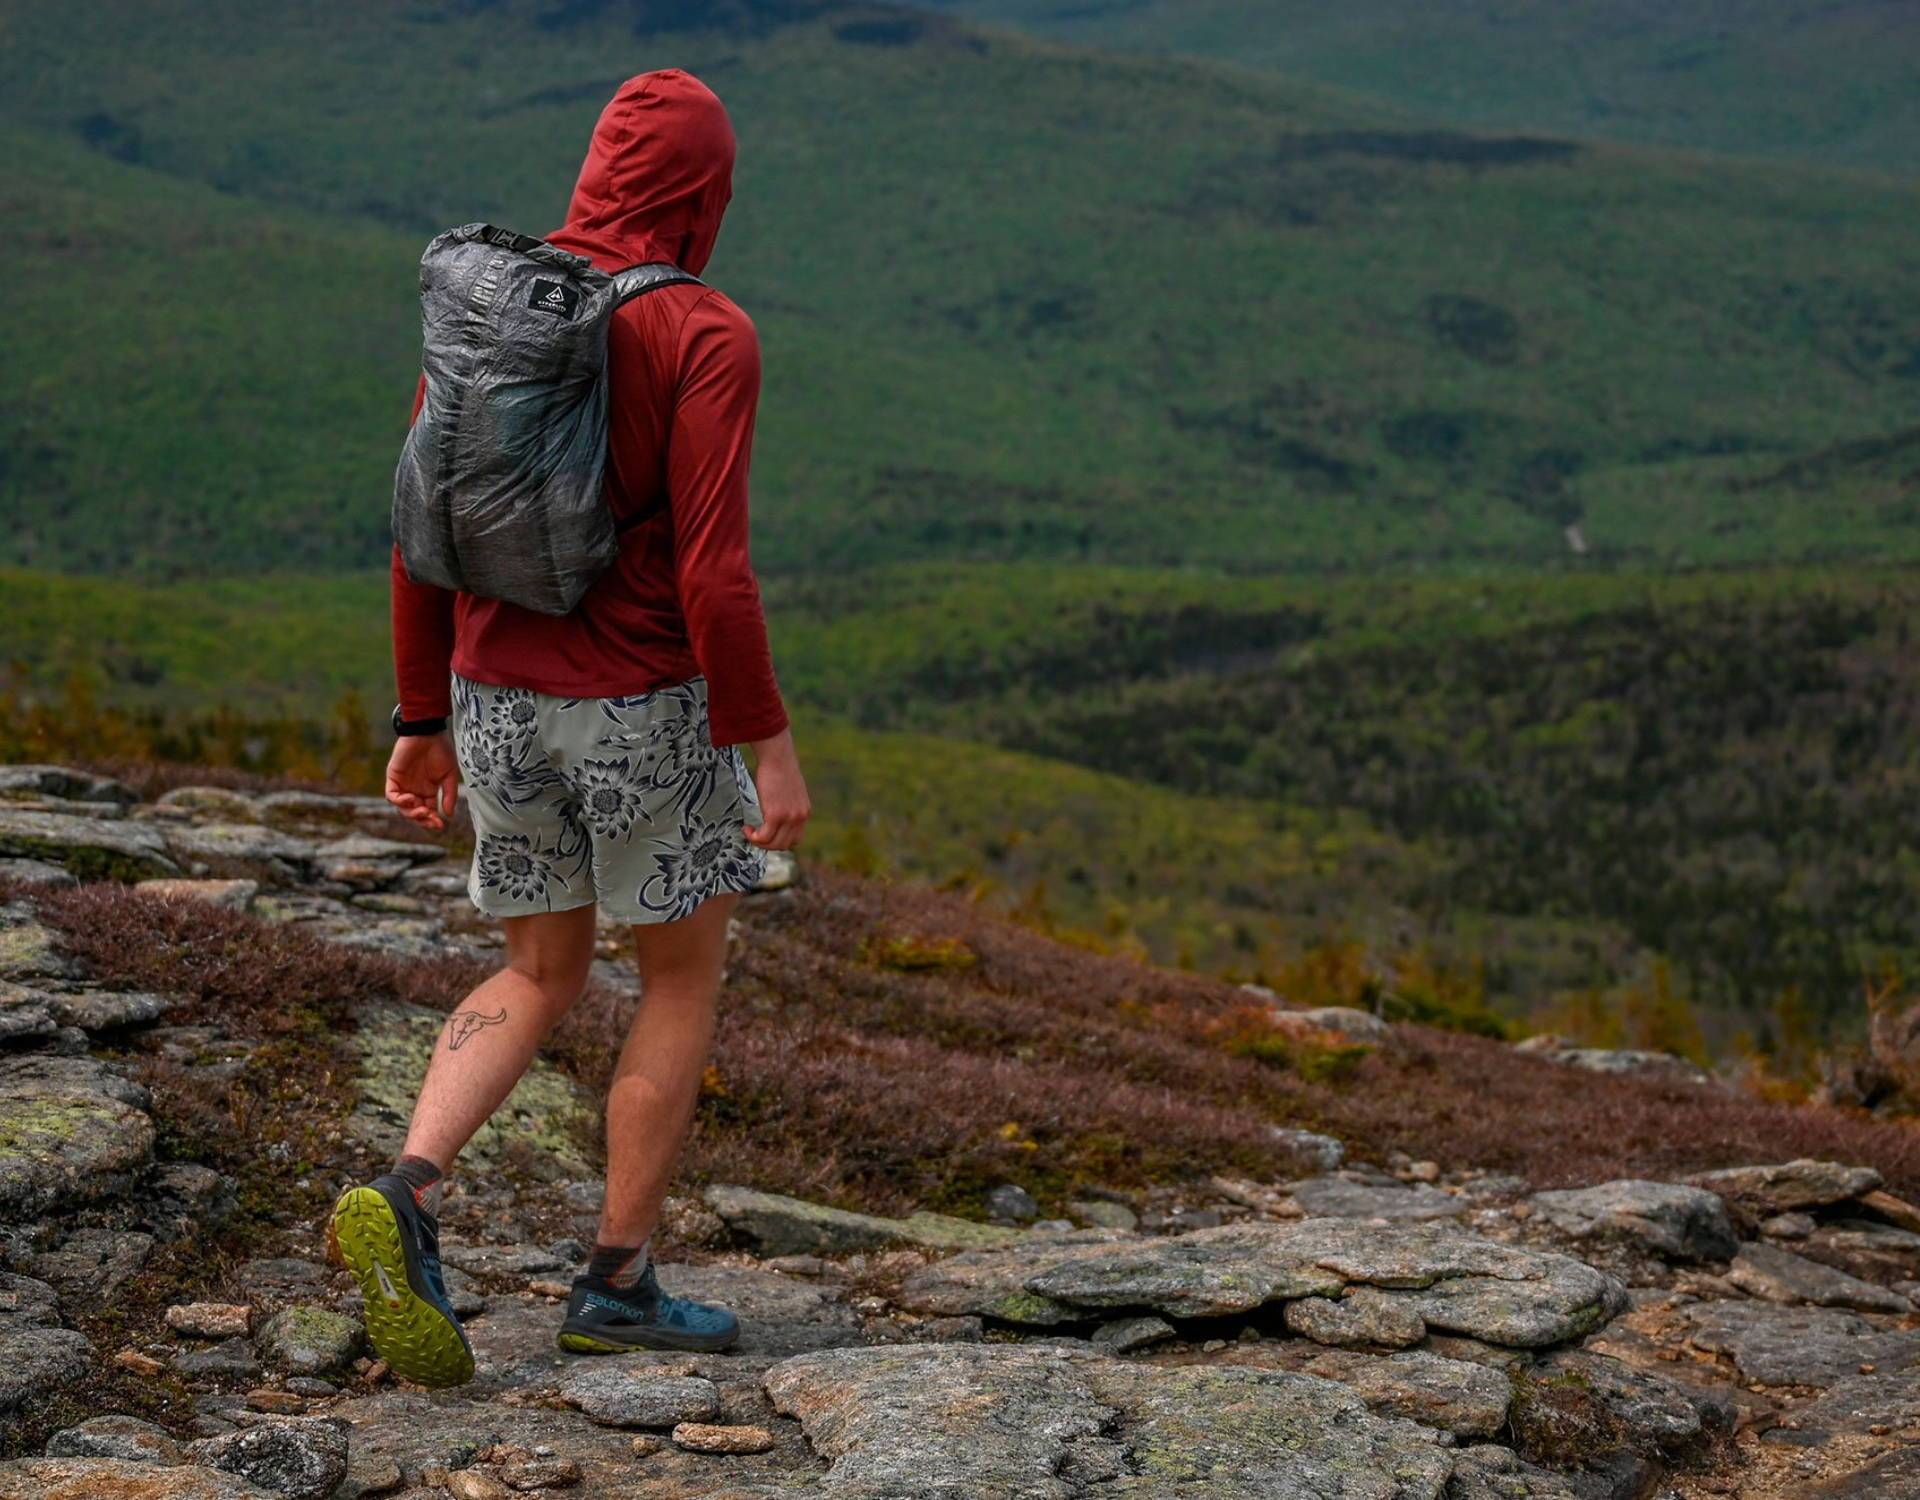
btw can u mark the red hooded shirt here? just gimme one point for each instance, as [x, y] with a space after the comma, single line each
[683, 367]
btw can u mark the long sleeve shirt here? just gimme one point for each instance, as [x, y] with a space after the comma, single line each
[682, 599]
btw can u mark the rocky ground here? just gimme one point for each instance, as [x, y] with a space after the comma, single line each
[169, 1325]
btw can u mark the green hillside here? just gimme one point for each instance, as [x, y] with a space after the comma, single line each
[1550, 779]
[1836, 83]
[1018, 302]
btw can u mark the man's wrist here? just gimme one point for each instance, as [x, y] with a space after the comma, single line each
[405, 728]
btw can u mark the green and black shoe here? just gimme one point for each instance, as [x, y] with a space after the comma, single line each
[605, 1319]
[392, 1246]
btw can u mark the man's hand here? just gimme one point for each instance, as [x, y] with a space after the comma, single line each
[784, 808]
[423, 778]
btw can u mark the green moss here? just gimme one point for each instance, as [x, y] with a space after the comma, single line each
[33, 1122]
[1025, 1307]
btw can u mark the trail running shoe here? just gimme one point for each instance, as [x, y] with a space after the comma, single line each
[393, 1249]
[604, 1319]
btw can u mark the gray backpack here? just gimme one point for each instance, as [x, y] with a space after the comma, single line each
[499, 487]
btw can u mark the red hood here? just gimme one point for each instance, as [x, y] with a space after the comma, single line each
[657, 177]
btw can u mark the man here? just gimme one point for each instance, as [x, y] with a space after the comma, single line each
[601, 755]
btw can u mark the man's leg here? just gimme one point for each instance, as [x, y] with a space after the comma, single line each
[657, 1080]
[491, 1037]
[387, 1232]
[618, 1303]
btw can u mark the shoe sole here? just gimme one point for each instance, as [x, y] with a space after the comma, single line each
[575, 1342]
[418, 1341]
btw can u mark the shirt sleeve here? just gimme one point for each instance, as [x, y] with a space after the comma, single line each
[709, 448]
[423, 633]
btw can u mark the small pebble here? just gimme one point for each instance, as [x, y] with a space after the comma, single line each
[471, 1484]
[1213, 1346]
[311, 1385]
[701, 1437]
[1424, 1171]
[138, 1363]
[210, 1320]
[282, 1403]
[542, 1474]
[643, 1447]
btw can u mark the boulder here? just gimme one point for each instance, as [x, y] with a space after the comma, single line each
[228, 895]
[1777, 1275]
[1682, 1223]
[305, 1340]
[1650, 1414]
[262, 852]
[1349, 1196]
[25, 1014]
[1456, 1282]
[616, 1397]
[1813, 1346]
[35, 872]
[216, 803]
[1124, 1335]
[1467, 1400]
[67, 1136]
[65, 783]
[1364, 1318]
[90, 848]
[302, 1458]
[1865, 1248]
[37, 1356]
[777, 1225]
[954, 1421]
[1790, 1185]
[1342, 1021]
[1322, 1152]
[1629, 1062]
[29, 950]
[116, 1436]
[118, 1479]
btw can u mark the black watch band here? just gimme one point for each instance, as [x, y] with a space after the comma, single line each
[405, 727]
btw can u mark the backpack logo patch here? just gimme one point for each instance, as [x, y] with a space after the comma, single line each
[552, 297]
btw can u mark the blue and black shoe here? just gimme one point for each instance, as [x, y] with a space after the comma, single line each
[605, 1319]
[392, 1246]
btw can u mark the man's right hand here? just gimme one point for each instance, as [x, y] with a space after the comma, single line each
[423, 778]
[784, 805]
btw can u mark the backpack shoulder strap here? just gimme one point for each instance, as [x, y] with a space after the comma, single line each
[637, 281]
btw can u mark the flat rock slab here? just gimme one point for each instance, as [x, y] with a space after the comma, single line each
[1860, 1403]
[1338, 1197]
[91, 848]
[1896, 1476]
[539, 1126]
[37, 1360]
[1454, 1281]
[1467, 1400]
[107, 1010]
[1685, 1223]
[67, 783]
[1790, 1185]
[970, 1422]
[66, 1137]
[1777, 1275]
[1814, 1346]
[262, 852]
[29, 950]
[777, 1225]
[120, 1479]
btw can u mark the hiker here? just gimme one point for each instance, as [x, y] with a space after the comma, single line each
[600, 748]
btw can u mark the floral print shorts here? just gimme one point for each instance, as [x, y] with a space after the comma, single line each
[623, 801]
